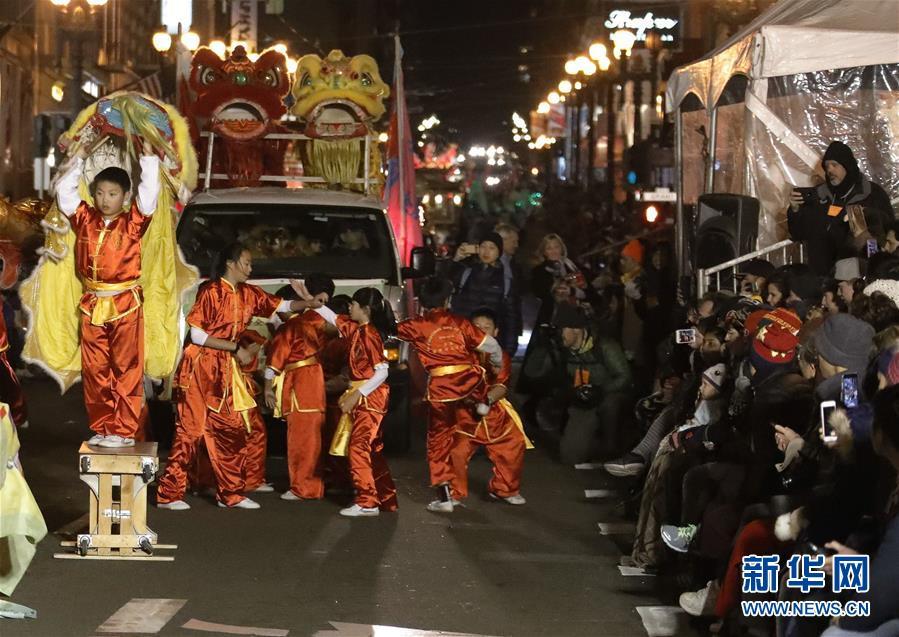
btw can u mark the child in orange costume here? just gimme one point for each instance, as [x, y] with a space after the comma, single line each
[370, 321]
[295, 389]
[334, 359]
[499, 431]
[447, 347]
[212, 397]
[257, 438]
[108, 260]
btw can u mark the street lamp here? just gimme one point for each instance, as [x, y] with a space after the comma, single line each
[565, 87]
[597, 51]
[571, 67]
[543, 108]
[191, 40]
[624, 40]
[76, 24]
[162, 41]
[553, 98]
[219, 48]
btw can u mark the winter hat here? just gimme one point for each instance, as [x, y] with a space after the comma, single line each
[806, 285]
[775, 342]
[494, 238]
[568, 315]
[634, 250]
[847, 269]
[888, 365]
[887, 287]
[716, 375]
[845, 341]
[757, 267]
[842, 154]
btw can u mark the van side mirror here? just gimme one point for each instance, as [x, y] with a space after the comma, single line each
[423, 264]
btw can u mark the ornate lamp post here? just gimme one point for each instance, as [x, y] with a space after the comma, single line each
[76, 22]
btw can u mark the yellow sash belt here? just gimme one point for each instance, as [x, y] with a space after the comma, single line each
[510, 410]
[278, 382]
[340, 444]
[240, 395]
[446, 370]
[105, 310]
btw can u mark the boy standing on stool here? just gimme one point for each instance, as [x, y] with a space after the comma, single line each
[499, 430]
[108, 261]
[447, 347]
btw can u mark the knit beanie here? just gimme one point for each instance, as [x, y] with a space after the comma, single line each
[716, 375]
[774, 345]
[845, 341]
[494, 238]
[634, 250]
[842, 154]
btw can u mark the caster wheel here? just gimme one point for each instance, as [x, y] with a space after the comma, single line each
[148, 474]
[146, 546]
[84, 544]
[85, 464]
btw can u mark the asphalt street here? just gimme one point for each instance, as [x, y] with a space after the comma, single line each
[487, 569]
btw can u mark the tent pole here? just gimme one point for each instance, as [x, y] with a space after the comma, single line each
[680, 230]
[712, 141]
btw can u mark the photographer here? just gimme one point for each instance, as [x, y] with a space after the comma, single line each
[598, 386]
[833, 219]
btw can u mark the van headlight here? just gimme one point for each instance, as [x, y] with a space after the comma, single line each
[392, 350]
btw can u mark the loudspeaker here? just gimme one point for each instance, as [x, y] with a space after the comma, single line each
[727, 226]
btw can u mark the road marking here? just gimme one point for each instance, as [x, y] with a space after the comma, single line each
[343, 629]
[544, 558]
[228, 629]
[634, 571]
[616, 528]
[662, 621]
[588, 466]
[599, 493]
[142, 615]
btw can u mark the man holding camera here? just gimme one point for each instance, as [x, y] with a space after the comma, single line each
[837, 217]
[598, 388]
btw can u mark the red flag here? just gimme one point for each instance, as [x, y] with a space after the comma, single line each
[399, 192]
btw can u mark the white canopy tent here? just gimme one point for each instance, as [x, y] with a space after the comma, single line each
[768, 101]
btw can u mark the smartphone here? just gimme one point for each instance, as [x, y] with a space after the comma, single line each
[849, 390]
[871, 247]
[809, 195]
[687, 336]
[827, 408]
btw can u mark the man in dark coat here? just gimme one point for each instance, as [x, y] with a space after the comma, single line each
[837, 211]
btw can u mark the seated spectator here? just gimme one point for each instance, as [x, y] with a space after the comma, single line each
[485, 281]
[840, 209]
[778, 290]
[599, 390]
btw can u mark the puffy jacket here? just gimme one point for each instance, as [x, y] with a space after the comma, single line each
[486, 286]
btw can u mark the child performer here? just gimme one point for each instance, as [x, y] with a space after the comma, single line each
[212, 398]
[335, 361]
[10, 389]
[108, 260]
[447, 347]
[499, 430]
[371, 320]
[295, 389]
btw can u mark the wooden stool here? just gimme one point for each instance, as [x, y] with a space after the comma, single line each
[117, 526]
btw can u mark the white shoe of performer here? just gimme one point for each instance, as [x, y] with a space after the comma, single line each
[246, 503]
[96, 439]
[265, 487]
[177, 505]
[116, 442]
[357, 511]
[439, 506]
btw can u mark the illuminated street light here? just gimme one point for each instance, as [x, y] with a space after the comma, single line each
[597, 51]
[60, 3]
[219, 48]
[553, 98]
[457, 200]
[383, 137]
[565, 87]
[97, 3]
[589, 68]
[604, 64]
[191, 40]
[571, 67]
[438, 200]
[624, 40]
[162, 41]
[651, 214]
[543, 108]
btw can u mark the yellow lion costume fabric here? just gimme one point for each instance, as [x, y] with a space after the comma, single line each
[51, 294]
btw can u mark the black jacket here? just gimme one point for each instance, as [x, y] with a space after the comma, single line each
[485, 286]
[829, 238]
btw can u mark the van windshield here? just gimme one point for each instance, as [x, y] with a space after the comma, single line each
[291, 240]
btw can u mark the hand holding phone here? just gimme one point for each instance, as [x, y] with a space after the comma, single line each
[826, 409]
[685, 337]
[849, 390]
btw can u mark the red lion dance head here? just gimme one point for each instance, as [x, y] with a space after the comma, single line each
[240, 101]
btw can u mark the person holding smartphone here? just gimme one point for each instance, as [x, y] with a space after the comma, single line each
[828, 217]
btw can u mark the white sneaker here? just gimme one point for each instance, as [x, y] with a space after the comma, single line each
[516, 499]
[116, 442]
[246, 503]
[95, 440]
[177, 505]
[438, 506]
[265, 487]
[25, 425]
[357, 511]
[290, 496]
[700, 603]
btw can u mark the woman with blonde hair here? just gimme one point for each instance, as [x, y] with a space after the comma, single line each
[556, 277]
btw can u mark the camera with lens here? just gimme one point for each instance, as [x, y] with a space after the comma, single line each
[587, 395]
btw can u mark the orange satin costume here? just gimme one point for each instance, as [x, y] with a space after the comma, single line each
[295, 353]
[447, 348]
[10, 389]
[108, 261]
[205, 396]
[503, 441]
[368, 468]
[257, 439]
[333, 359]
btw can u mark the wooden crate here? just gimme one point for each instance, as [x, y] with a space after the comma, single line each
[117, 521]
